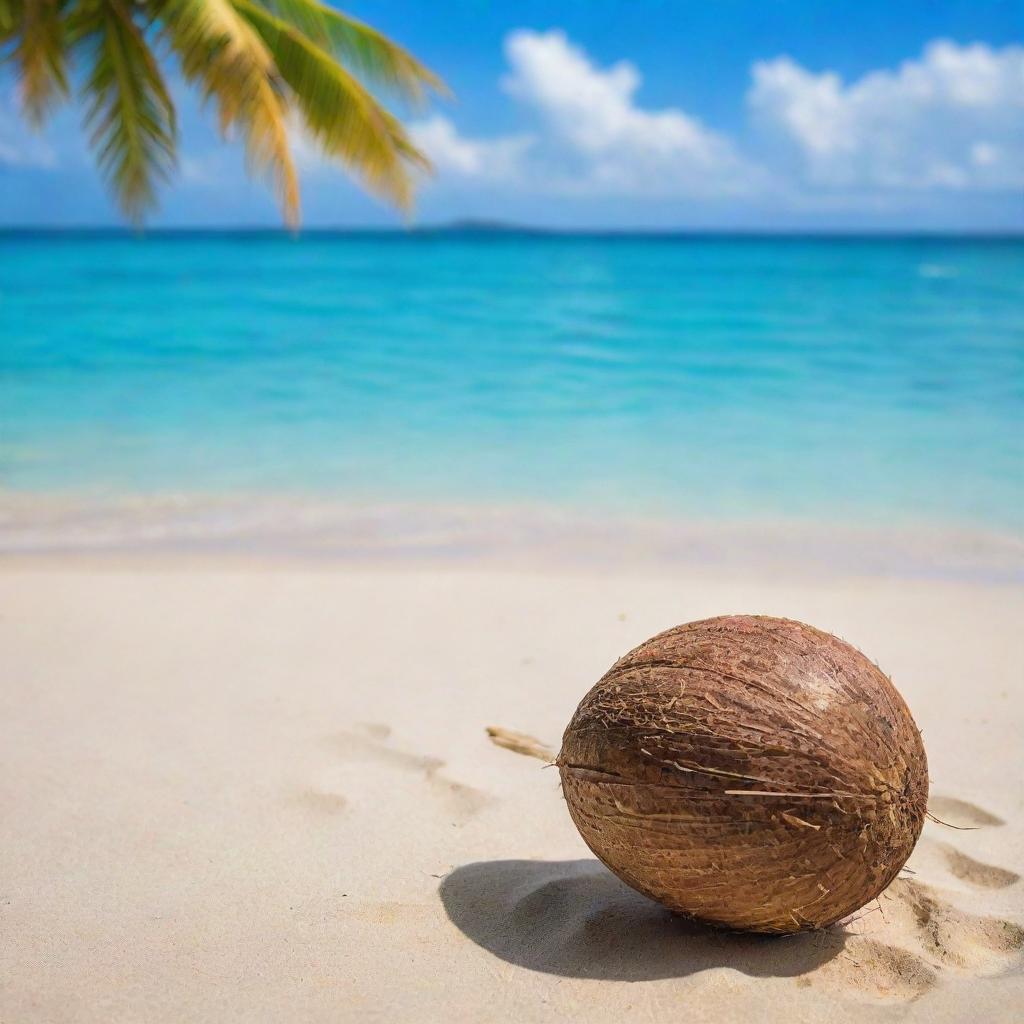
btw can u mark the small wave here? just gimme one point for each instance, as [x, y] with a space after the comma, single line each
[937, 270]
[329, 527]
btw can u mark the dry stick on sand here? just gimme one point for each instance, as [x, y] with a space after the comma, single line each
[520, 743]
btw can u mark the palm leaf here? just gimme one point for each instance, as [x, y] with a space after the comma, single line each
[221, 51]
[11, 13]
[254, 59]
[369, 53]
[342, 116]
[128, 110]
[40, 51]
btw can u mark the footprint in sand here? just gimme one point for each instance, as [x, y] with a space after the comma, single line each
[961, 813]
[919, 936]
[933, 854]
[570, 918]
[321, 797]
[944, 939]
[371, 741]
[949, 936]
[878, 970]
[976, 872]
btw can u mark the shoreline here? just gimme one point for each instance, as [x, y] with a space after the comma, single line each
[303, 529]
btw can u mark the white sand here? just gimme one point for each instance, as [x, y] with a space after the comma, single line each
[267, 794]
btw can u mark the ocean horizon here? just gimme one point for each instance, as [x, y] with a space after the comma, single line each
[867, 383]
[484, 228]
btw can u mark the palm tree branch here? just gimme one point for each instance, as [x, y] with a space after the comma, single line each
[128, 110]
[369, 53]
[221, 51]
[341, 115]
[11, 13]
[39, 26]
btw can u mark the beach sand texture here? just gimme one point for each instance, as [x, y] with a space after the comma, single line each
[248, 792]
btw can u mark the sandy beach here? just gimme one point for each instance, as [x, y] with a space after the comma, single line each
[370, 388]
[236, 790]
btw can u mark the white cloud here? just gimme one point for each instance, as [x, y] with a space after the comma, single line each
[595, 138]
[954, 119]
[493, 159]
[19, 145]
[203, 169]
[984, 154]
[594, 111]
[21, 152]
[309, 158]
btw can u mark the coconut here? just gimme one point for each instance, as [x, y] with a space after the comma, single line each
[749, 772]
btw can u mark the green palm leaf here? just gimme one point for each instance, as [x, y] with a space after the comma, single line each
[129, 112]
[11, 14]
[368, 52]
[40, 51]
[341, 115]
[222, 52]
[258, 61]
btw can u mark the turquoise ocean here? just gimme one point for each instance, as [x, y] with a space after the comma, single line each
[870, 382]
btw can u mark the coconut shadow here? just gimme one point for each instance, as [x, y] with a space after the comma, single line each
[576, 919]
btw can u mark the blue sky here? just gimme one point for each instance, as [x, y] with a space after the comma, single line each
[792, 114]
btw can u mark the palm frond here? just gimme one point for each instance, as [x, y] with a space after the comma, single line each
[258, 61]
[39, 26]
[11, 12]
[128, 111]
[369, 53]
[221, 51]
[341, 115]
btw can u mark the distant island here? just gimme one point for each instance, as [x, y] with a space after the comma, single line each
[482, 226]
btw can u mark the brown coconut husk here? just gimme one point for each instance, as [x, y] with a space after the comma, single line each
[749, 772]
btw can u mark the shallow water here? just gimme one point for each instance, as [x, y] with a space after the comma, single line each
[855, 381]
